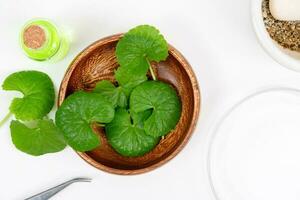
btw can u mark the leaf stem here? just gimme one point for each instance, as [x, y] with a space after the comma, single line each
[151, 70]
[7, 116]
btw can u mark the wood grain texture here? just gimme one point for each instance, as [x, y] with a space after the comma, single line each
[98, 62]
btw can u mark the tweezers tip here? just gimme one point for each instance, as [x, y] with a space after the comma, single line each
[82, 179]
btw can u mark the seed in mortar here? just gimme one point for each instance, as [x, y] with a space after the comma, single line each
[285, 33]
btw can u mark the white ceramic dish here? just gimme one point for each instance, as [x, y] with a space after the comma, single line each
[254, 150]
[284, 57]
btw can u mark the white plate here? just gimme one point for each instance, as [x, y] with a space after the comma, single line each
[254, 152]
[284, 57]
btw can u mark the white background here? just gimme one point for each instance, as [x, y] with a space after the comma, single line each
[217, 38]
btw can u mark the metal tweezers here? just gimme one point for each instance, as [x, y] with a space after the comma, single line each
[52, 191]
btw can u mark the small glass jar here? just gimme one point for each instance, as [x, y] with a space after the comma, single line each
[41, 40]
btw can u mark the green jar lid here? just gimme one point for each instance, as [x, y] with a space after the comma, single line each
[40, 39]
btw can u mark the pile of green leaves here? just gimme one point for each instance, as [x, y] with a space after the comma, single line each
[32, 132]
[136, 112]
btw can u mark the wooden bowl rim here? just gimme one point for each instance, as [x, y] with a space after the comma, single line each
[197, 104]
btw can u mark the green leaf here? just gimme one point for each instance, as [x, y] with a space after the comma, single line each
[127, 138]
[141, 43]
[38, 91]
[130, 77]
[164, 103]
[113, 94]
[44, 138]
[76, 115]
[134, 52]
[141, 117]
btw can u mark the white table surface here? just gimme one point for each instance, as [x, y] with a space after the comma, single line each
[217, 38]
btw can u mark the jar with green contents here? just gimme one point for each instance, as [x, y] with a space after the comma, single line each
[41, 40]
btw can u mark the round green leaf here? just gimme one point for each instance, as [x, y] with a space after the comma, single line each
[134, 52]
[127, 138]
[76, 115]
[38, 91]
[162, 99]
[130, 77]
[140, 43]
[44, 138]
[113, 94]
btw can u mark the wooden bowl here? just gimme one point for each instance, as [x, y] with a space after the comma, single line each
[98, 62]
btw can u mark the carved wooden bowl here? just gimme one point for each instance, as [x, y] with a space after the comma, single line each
[98, 62]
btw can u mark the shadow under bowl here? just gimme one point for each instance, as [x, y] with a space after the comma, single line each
[98, 62]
